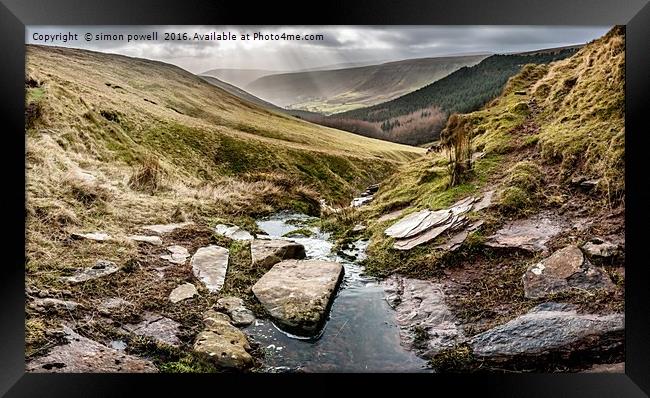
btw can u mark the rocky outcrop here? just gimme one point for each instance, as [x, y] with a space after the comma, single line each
[565, 269]
[166, 228]
[82, 355]
[297, 293]
[183, 292]
[530, 234]
[177, 254]
[549, 327]
[210, 265]
[232, 232]
[235, 308]
[426, 323]
[224, 344]
[158, 328]
[100, 269]
[267, 252]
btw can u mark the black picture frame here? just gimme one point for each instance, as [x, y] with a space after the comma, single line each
[16, 14]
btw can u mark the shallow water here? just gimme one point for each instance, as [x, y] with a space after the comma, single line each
[361, 334]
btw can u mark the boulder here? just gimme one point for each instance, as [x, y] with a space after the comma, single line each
[82, 355]
[223, 343]
[546, 328]
[177, 254]
[157, 327]
[297, 293]
[183, 292]
[210, 265]
[166, 228]
[232, 232]
[152, 240]
[235, 308]
[530, 234]
[565, 269]
[426, 323]
[97, 236]
[100, 269]
[267, 252]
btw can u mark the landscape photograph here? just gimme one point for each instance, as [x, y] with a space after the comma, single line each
[286, 199]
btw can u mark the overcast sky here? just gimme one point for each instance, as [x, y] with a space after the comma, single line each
[341, 44]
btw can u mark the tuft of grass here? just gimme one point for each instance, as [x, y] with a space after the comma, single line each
[519, 191]
[148, 176]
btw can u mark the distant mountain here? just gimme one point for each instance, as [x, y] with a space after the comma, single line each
[238, 77]
[419, 116]
[338, 90]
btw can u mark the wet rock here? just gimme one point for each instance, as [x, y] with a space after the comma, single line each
[267, 252]
[565, 269]
[209, 265]
[82, 355]
[547, 328]
[297, 293]
[183, 292]
[96, 236]
[529, 234]
[52, 304]
[166, 228]
[152, 240]
[178, 254]
[158, 328]
[223, 343]
[426, 323]
[100, 269]
[235, 308]
[607, 368]
[600, 248]
[232, 232]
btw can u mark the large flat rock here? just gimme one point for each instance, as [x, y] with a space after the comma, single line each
[82, 355]
[530, 234]
[267, 252]
[223, 343]
[210, 265]
[565, 269]
[297, 293]
[546, 328]
[425, 321]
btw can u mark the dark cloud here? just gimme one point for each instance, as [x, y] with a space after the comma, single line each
[340, 43]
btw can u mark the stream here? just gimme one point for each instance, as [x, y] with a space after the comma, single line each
[360, 335]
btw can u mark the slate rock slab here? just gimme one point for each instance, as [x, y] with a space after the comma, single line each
[210, 265]
[82, 355]
[530, 234]
[297, 293]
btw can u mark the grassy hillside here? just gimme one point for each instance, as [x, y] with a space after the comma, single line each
[238, 77]
[419, 116]
[338, 90]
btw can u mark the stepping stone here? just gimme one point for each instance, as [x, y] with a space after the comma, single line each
[178, 254]
[100, 269]
[153, 240]
[549, 327]
[530, 234]
[234, 306]
[297, 293]
[166, 228]
[225, 345]
[209, 265]
[232, 232]
[82, 355]
[183, 292]
[157, 327]
[267, 252]
[420, 306]
[96, 236]
[565, 269]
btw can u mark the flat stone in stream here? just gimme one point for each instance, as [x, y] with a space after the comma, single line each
[100, 269]
[82, 355]
[549, 327]
[565, 269]
[209, 265]
[166, 228]
[267, 252]
[426, 323]
[158, 328]
[297, 293]
[530, 234]
[223, 343]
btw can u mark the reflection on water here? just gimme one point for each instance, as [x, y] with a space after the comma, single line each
[361, 334]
